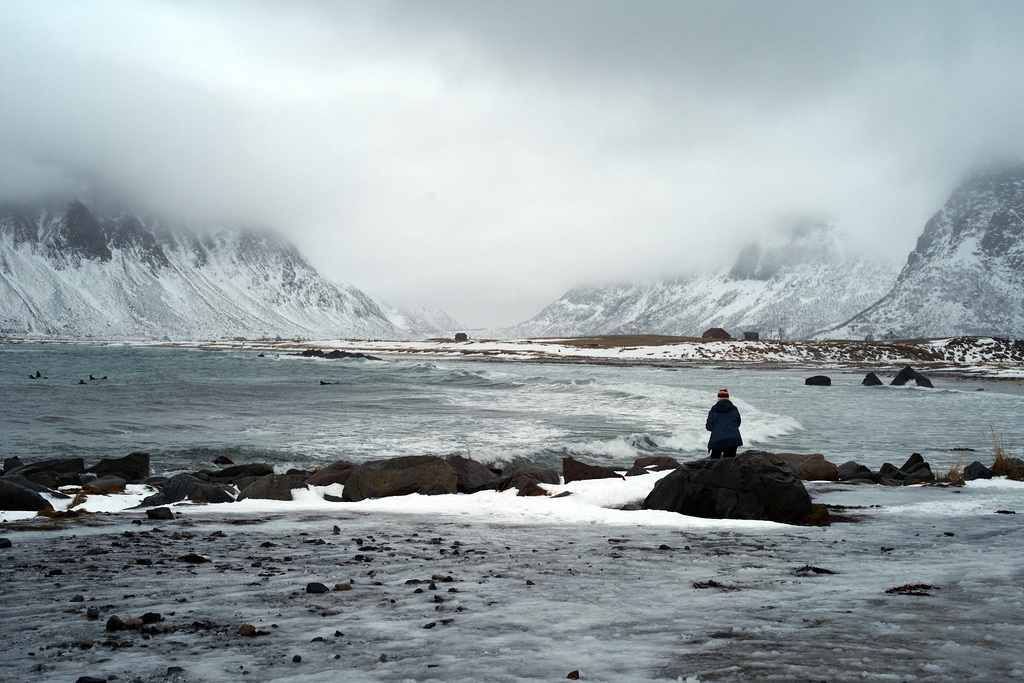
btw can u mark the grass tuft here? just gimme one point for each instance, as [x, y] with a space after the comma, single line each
[1001, 461]
[955, 472]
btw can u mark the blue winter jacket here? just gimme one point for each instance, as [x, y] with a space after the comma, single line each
[724, 425]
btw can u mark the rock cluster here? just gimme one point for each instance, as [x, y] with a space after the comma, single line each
[914, 471]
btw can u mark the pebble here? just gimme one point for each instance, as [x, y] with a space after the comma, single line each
[114, 623]
[316, 587]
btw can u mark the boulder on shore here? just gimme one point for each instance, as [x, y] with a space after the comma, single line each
[472, 475]
[133, 467]
[187, 487]
[574, 470]
[871, 380]
[812, 466]
[749, 486]
[15, 497]
[273, 487]
[544, 475]
[425, 474]
[976, 470]
[235, 472]
[337, 472]
[656, 463]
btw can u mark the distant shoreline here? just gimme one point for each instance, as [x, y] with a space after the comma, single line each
[991, 360]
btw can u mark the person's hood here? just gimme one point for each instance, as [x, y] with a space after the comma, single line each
[723, 406]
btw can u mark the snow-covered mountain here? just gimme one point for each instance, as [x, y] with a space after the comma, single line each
[966, 275]
[800, 284]
[67, 273]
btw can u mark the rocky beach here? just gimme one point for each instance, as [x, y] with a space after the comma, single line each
[908, 582]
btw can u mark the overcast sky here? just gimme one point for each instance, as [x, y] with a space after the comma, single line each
[484, 157]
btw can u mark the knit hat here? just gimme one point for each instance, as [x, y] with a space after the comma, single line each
[723, 394]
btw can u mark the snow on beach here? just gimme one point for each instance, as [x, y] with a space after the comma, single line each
[988, 357]
[491, 586]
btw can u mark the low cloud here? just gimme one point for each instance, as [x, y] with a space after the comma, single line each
[485, 157]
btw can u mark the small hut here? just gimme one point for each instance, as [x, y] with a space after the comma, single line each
[716, 333]
[751, 336]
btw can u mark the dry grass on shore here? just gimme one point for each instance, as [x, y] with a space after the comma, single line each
[1001, 463]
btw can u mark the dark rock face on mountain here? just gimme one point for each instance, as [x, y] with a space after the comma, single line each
[966, 275]
[67, 272]
[74, 236]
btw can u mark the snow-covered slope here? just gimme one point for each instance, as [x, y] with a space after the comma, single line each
[803, 284]
[66, 273]
[966, 275]
[422, 322]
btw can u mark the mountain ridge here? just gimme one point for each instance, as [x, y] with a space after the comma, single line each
[68, 273]
[789, 286]
[965, 276]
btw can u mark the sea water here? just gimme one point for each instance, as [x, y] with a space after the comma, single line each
[187, 406]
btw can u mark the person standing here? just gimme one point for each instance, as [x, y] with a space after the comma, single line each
[724, 425]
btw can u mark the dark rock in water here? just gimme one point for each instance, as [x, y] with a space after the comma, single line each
[656, 463]
[223, 460]
[428, 474]
[160, 513]
[574, 470]
[920, 475]
[273, 487]
[749, 486]
[90, 679]
[472, 476]
[890, 471]
[15, 497]
[871, 380]
[105, 484]
[812, 466]
[976, 470]
[234, 472]
[913, 461]
[133, 467]
[335, 354]
[5, 543]
[818, 381]
[316, 587]
[21, 481]
[917, 470]
[908, 373]
[852, 471]
[336, 473]
[185, 486]
[544, 475]
[12, 463]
